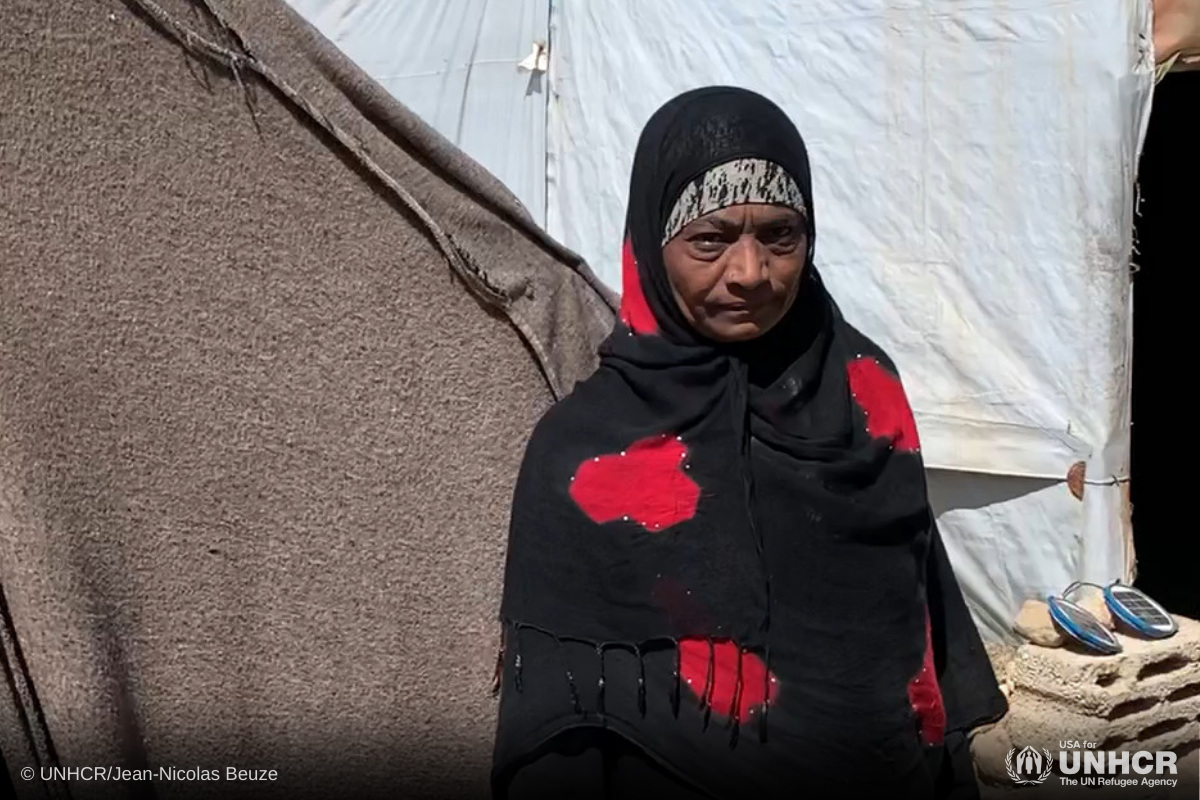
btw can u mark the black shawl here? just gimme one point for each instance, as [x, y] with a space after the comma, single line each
[693, 501]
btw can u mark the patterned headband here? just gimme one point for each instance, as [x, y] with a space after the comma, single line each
[744, 180]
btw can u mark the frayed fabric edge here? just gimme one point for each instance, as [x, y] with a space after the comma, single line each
[511, 641]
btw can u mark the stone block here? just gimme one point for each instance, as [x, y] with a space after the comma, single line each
[1145, 698]
[1145, 672]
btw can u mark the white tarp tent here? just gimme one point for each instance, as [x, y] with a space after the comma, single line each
[974, 168]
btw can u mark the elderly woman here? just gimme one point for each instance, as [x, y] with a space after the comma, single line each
[724, 579]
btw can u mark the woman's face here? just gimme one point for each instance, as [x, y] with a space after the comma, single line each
[736, 271]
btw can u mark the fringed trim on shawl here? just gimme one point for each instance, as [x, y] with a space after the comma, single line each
[762, 718]
[736, 706]
[600, 682]
[675, 681]
[512, 636]
[576, 705]
[710, 676]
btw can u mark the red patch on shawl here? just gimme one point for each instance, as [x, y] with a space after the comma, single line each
[925, 695]
[693, 671]
[882, 399]
[645, 482]
[635, 311]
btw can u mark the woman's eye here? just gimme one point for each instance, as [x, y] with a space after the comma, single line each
[707, 241]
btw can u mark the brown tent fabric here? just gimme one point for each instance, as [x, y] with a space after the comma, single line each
[270, 349]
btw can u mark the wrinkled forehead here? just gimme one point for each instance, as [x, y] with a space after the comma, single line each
[736, 182]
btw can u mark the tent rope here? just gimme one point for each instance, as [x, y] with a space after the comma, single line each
[237, 62]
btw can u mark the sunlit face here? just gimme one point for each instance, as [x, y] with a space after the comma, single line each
[736, 271]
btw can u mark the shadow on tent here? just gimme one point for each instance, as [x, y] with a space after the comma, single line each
[1166, 412]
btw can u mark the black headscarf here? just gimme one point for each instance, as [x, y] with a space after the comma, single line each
[766, 498]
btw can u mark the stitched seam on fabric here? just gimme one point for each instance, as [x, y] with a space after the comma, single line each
[466, 268]
[235, 62]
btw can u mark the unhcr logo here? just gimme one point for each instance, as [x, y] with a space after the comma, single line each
[1084, 765]
[1091, 767]
[1030, 766]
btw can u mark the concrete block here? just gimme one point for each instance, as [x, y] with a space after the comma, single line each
[1146, 672]
[1146, 698]
[1043, 722]
[1001, 655]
